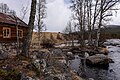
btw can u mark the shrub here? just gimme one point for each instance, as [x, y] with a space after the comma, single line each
[47, 43]
[10, 75]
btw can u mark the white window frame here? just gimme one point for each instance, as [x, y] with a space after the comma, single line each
[5, 32]
[20, 35]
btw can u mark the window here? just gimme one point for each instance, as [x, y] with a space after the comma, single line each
[20, 33]
[6, 33]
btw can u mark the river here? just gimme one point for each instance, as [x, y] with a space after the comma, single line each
[112, 73]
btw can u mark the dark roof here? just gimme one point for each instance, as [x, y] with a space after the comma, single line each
[9, 19]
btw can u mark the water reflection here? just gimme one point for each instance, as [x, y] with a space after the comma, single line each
[112, 73]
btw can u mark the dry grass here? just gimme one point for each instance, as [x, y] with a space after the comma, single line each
[47, 35]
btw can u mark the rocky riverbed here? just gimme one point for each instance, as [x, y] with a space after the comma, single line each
[112, 72]
[63, 63]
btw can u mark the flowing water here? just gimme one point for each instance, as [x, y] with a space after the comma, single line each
[112, 73]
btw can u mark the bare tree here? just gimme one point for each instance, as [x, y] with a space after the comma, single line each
[40, 15]
[5, 9]
[103, 13]
[24, 11]
[91, 14]
[79, 9]
[69, 30]
[89, 20]
[27, 42]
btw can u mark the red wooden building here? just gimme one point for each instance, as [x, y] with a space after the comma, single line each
[12, 29]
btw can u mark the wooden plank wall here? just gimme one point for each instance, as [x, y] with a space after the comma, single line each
[13, 37]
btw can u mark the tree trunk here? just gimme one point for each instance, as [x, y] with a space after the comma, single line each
[100, 24]
[89, 22]
[27, 42]
[39, 22]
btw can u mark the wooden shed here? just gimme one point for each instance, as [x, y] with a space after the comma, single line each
[12, 29]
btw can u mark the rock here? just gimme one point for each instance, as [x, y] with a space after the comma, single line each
[86, 55]
[33, 54]
[39, 54]
[27, 78]
[53, 78]
[70, 55]
[75, 76]
[56, 78]
[118, 45]
[3, 55]
[90, 79]
[38, 64]
[91, 52]
[34, 65]
[75, 50]
[24, 77]
[59, 77]
[43, 54]
[111, 61]
[57, 51]
[63, 61]
[111, 70]
[112, 42]
[43, 64]
[57, 54]
[98, 60]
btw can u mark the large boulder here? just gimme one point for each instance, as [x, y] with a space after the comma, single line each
[37, 64]
[57, 53]
[3, 55]
[98, 60]
[36, 54]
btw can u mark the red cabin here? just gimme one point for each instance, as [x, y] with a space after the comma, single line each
[12, 29]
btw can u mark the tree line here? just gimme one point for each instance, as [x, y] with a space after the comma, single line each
[89, 16]
[5, 9]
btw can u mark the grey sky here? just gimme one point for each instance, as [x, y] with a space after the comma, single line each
[58, 13]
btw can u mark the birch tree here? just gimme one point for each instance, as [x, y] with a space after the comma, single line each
[90, 15]
[103, 7]
[69, 30]
[78, 8]
[27, 42]
[40, 16]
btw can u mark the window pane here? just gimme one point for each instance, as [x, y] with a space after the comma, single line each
[20, 33]
[6, 32]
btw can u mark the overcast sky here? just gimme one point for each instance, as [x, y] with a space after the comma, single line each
[58, 13]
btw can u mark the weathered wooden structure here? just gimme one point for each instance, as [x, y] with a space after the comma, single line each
[12, 29]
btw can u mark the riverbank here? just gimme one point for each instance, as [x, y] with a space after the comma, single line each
[110, 73]
[41, 65]
[61, 63]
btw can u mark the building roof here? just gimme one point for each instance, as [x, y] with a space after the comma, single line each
[11, 20]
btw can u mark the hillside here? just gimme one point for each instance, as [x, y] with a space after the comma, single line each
[54, 36]
[112, 31]
[108, 32]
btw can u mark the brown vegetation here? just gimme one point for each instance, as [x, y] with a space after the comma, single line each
[51, 37]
